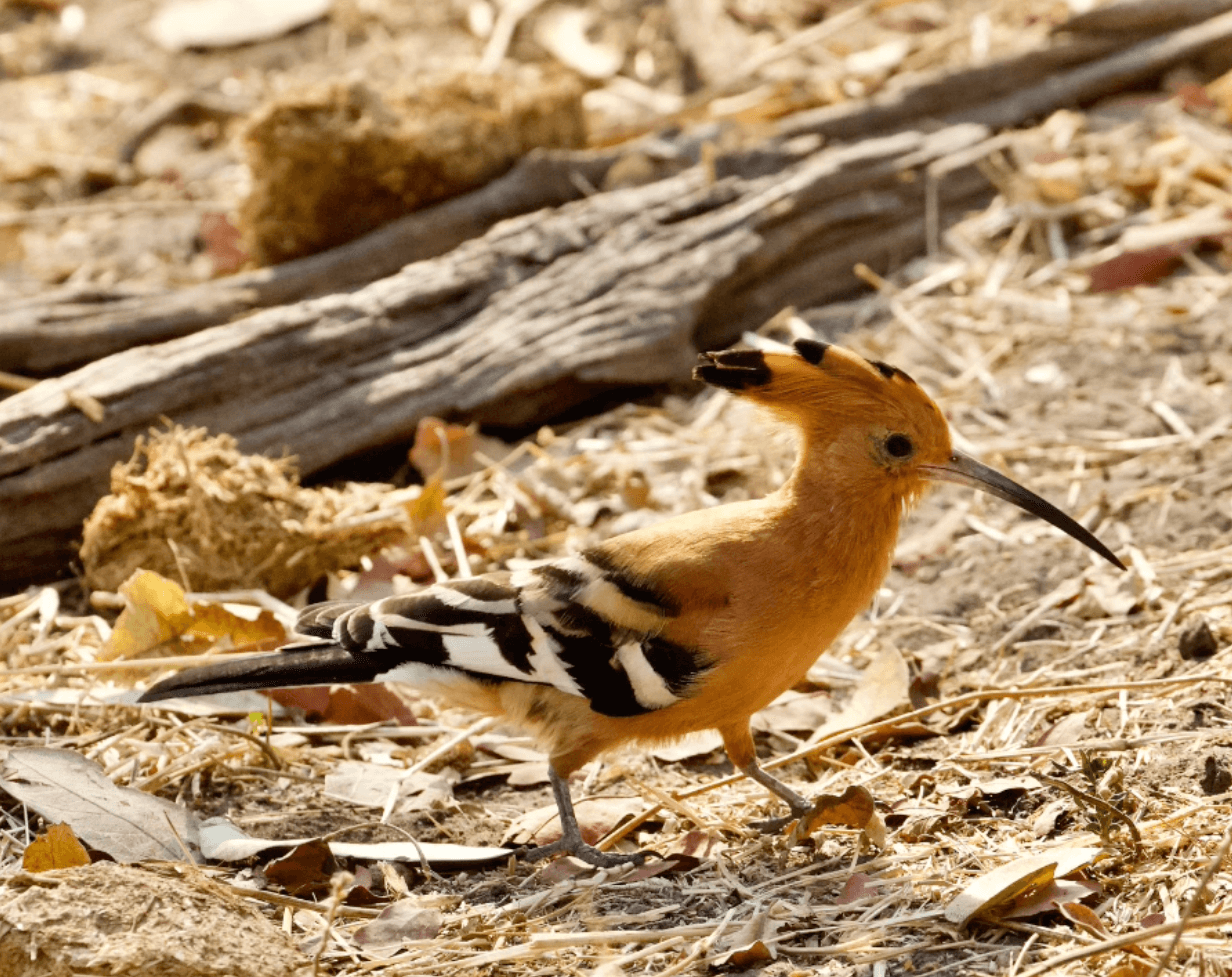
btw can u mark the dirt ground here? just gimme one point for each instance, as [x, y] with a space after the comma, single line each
[1046, 702]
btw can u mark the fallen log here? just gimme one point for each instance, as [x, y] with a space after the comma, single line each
[542, 311]
[1089, 57]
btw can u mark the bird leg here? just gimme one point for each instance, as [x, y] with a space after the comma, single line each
[799, 805]
[738, 741]
[571, 841]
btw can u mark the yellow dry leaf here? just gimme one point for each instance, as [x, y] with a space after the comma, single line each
[1006, 882]
[427, 510]
[442, 448]
[853, 809]
[156, 611]
[214, 623]
[57, 847]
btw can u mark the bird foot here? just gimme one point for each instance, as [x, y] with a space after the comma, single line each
[774, 826]
[584, 852]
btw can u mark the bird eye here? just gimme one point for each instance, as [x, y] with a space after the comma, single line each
[899, 446]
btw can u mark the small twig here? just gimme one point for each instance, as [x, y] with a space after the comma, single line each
[11, 381]
[511, 13]
[338, 888]
[1129, 939]
[438, 571]
[440, 750]
[889, 724]
[1084, 798]
[136, 664]
[474, 729]
[801, 39]
[1195, 900]
[423, 858]
[349, 739]
[188, 856]
[459, 547]
[291, 902]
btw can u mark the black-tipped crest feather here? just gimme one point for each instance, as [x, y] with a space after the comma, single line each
[811, 349]
[733, 369]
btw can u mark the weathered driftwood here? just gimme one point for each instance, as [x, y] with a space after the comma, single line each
[1131, 43]
[54, 331]
[543, 309]
[1099, 56]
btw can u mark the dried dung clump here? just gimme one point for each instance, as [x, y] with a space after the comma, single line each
[336, 161]
[114, 919]
[194, 508]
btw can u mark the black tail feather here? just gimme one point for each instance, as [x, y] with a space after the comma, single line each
[310, 664]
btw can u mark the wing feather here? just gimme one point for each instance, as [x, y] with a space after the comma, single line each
[577, 624]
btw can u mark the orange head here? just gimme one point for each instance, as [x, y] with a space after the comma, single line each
[867, 427]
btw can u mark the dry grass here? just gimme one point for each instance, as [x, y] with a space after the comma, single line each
[1054, 707]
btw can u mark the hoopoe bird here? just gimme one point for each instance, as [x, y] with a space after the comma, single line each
[693, 623]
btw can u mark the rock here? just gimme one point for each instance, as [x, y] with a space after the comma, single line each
[1197, 641]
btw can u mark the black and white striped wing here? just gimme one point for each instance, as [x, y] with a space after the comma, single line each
[575, 624]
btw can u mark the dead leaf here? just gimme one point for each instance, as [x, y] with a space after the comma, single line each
[222, 840]
[371, 785]
[752, 945]
[697, 844]
[1145, 267]
[393, 561]
[853, 809]
[155, 612]
[562, 870]
[181, 24]
[129, 825]
[1107, 598]
[529, 774]
[796, 712]
[988, 788]
[1084, 917]
[427, 510]
[348, 705]
[305, 870]
[222, 243]
[701, 743]
[57, 847]
[1059, 894]
[1067, 730]
[1134, 968]
[685, 855]
[442, 449]
[361, 894]
[566, 33]
[1006, 882]
[859, 886]
[597, 816]
[399, 922]
[884, 686]
[219, 622]
[509, 748]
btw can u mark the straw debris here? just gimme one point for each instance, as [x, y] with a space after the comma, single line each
[1055, 707]
[192, 507]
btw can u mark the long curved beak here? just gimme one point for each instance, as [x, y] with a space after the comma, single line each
[964, 470]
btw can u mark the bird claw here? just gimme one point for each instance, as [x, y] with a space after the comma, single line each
[773, 826]
[584, 852]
